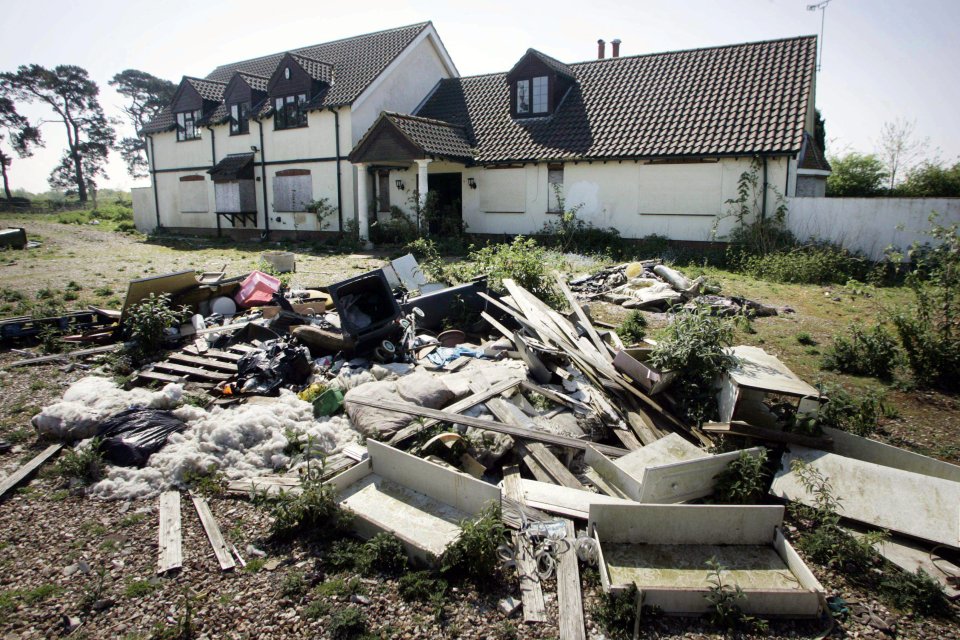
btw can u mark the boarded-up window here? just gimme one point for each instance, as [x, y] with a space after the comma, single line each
[681, 189]
[554, 188]
[503, 191]
[193, 195]
[235, 196]
[383, 192]
[292, 190]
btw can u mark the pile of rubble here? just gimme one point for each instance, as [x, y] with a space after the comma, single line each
[466, 398]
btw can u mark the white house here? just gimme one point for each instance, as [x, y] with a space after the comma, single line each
[648, 144]
[249, 146]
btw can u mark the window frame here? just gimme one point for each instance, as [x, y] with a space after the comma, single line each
[290, 113]
[240, 123]
[525, 87]
[182, 120]
[544, 95]
[553, 203]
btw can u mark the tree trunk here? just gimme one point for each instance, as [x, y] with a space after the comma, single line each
[6, 183]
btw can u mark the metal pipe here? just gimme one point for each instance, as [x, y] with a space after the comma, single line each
[153, 177]
[336, 128]
[263, 179]
[213, 147]
[763, 211]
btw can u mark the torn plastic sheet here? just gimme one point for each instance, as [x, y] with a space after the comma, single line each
[442, 355]
[132, 436]
[278, 363]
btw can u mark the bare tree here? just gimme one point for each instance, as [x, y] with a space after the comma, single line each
[899, 148]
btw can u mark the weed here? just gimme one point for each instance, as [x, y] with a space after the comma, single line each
[255, 565]
[70, 296]
[805, 264]
[146, 323]
[806, 339]
[347, 624]
[856, 415]
[421, 586]
[724, 602]
[103, 292]
[338, 587]
[386, 554]
[617, 612]
[73, 286]
[743, 481]
[132, 519]
[633, 328]
[140, 588]
[474, 555]
[211, 482]
[428, 257]
[294, 585]
[917, 593]
[316, 609]
[83, 464]
[693, 346]
[523, 260]
[867, 353]
[183, 628]
[569, 231]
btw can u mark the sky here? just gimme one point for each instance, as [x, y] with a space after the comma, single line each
[881, 60]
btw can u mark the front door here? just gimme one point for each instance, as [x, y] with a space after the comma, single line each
[448, 219]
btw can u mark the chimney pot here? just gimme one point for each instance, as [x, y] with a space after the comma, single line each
[616, 48]
[601, 53]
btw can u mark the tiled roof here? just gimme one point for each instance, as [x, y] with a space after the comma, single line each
[740, 99]
[163, 121]
[232, 167]
[257, 83]
[208, 89]
[811, 157]
[355, 61]
[552, 63]
[316, 69]
[433, 136]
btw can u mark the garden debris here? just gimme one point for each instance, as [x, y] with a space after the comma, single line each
[130, 437]
[13, 237]
[28, 469]
[275, 363]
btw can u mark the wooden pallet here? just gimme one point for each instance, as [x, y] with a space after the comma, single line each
[208, 368]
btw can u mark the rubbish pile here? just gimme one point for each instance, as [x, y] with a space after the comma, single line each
[467, 398]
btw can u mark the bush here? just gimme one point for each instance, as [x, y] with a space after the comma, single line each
[428, 257]
[74, 217]
[421, 586]
[126, 226]
[930, 329]
[864, 353]
[82, 465]
[693, 346]
[474, 555]
[856, 416]
[146, 323]
[523, 260]
[394, 228]
[347, 624]
[314, 511]
[806, 264]
[616, 612]
[634, 327]
[743, 481]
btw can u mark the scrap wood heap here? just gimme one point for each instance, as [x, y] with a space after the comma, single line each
[553, 415]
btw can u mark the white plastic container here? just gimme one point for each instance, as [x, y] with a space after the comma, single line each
[282, 261]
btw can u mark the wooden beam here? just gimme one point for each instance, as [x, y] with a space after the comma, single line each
[171, 550]
[192, 371]
[582, 316]
[457, 407]
[490, 425]
[569, 598]
[28, 469]
[531, 593]
[628, 439]
[204, 362]
[212, 529]
[64, 356]
[560, 474]
[536, 469]
[557, 397]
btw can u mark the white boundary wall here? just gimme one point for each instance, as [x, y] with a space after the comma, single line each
[144, 209]
[869, 225]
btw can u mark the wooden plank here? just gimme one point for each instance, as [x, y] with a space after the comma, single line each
[192, 371]
[557, 397]
[582, 316]
[496, 325]
[28, 469]
[628, 439]
[157, 376]
[490, 425]
[171, 550]
[63, 356]
[745, 430]
[553, 466]
[600, 483]
[229, 367]
[534, 607]
[537, 469]
[212, 529]
[457, 407]
[643, 426]
[569, 598]
[214, 353]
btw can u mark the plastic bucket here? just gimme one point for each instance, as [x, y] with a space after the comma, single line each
[282, 261]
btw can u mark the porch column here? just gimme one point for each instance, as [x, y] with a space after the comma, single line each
[363, 206]
[422, 184]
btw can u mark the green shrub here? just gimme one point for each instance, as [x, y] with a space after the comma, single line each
[74, 217]
[871, 352]
[743, 481]
[806, 339]
[383, 553]
[930, 329]
[421, 586]
[146, 323]
[724, 601]
[474, 555]
[294, 585]
[858, 416]
[693, 346]
[393, 228]
[806, 264]
[82, 466]
[917, 593]
[616, 612]
[633, 328]
[347, 624]
[523, 260]
[428, 257]
[126, 226]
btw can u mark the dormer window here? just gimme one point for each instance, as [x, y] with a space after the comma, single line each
[533, 95]
[239, 118]
[523, 96]
[290, 112]
[537, 85]
[540, 86]
[187, 128]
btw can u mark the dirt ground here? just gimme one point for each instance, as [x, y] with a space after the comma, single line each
[63, 555]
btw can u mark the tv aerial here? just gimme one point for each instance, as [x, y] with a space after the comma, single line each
[822, 8]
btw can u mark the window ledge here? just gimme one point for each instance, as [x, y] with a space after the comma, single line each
[301, 126]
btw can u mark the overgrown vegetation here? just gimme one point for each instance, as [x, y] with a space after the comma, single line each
[930, 329]
[743, 481]
[693, 346]
[523, 260]
[567, 231]
[474, 555]
[843, 411]
[82, 465]
[633, 329]
[384, 553]
[866, 352]
[146, 323]
[617, 612]
[724, 601]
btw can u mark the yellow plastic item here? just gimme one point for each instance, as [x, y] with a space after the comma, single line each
[634, 269]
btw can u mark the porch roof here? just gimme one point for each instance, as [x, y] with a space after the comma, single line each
[398, 137]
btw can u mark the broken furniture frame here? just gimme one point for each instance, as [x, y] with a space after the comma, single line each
[420, 502]
[663, 549]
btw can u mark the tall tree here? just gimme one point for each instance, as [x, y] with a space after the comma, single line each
[899, 148]
[148, 96]
[820, 131]
[72, 96]
[855, 175]
[20, 134]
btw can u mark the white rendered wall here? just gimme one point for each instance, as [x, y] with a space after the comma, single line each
[144, 209]
[870, 225]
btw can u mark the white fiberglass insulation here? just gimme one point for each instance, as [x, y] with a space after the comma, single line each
[242, 441]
